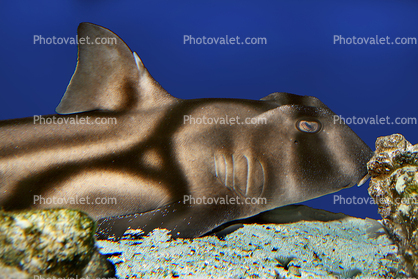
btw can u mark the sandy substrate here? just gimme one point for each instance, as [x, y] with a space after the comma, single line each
[306, 249]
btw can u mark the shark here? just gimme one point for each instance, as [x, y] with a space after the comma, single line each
[185, 165]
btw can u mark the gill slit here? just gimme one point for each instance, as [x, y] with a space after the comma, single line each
[264, 177]
[226, 171]
[233, 172]
[248, 175]
[216, 166]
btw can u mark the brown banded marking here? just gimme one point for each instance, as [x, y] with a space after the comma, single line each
[242, 174]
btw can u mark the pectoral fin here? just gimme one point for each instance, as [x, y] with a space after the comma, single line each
[183, 220]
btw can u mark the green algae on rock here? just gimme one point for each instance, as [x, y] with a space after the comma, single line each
[54, 242]
[394, 187]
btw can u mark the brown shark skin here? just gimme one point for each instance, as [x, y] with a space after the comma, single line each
[152, 158]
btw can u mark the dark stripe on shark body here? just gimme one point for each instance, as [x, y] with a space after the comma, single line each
[309, 148]
[74, 140]
[130, 99]
[125, 162]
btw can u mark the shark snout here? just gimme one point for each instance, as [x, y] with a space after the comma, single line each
[355, 164]
[357, 181]
[363, 174]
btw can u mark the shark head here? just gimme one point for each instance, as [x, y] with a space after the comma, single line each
[318, 152]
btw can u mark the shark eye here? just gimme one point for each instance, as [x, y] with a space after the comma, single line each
[308, 126]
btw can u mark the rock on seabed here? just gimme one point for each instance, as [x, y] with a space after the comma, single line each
[394, 187]
[52, 242]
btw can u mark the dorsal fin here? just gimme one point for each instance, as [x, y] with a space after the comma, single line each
[109, 76]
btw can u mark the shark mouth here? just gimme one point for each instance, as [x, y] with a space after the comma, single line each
[363, 180]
